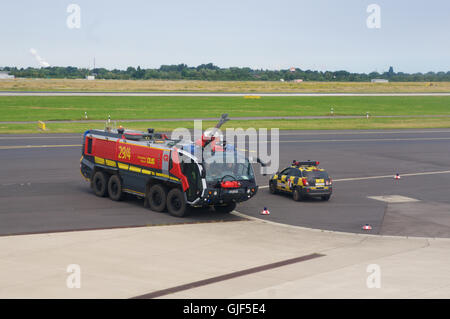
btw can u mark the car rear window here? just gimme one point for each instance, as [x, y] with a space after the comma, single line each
[316, 175]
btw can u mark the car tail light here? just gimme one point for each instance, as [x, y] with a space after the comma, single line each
[328, 182]
[305, 182]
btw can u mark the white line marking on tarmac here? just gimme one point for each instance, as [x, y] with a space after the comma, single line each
[371, 140]
[343, 132]
[37, 137]
[394, 199]
[282, 133]
[380, 176]
[14, 147]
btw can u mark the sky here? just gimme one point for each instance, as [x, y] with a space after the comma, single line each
[413, 36]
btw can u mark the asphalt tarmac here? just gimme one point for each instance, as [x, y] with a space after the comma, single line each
[41, 189]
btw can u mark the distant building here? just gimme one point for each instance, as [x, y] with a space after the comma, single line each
[298, 80]
[90, 77]
[5, 75]
[292, 69]
[379, 81]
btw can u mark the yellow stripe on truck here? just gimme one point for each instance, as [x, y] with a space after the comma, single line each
[110, 163]
[123, 166]
[133, 191]
[99, 160]
[135, 169]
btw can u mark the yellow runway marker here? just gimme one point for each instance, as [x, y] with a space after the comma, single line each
[42, 125]
[13, 147]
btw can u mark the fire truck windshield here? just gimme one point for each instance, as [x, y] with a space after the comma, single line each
[223, 166]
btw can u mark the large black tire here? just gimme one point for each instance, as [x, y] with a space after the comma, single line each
[326, 197]
[297, 194]
[176, 204]
[157, 198]
[225, 209]
[100, 184]
[115, 188]
[273, 187]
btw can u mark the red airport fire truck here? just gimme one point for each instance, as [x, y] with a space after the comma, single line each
[165, 172]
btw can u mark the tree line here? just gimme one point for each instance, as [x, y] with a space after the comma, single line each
[211, 72]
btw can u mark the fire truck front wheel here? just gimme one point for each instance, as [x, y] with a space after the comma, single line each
[99, 184]
[156, 197]
[115, 188]
[176, 204]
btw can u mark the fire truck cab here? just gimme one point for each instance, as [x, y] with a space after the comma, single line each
[166, 173]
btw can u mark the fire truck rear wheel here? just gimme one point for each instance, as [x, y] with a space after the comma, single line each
[176, 204]
[156, 197]
[99, 184]
[115, 188]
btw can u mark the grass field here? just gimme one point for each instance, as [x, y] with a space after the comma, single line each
[322, 124]
[217, 86]
[129, 108]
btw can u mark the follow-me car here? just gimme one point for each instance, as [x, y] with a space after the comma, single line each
[302, 179]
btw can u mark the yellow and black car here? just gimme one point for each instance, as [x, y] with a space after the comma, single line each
[302, 179]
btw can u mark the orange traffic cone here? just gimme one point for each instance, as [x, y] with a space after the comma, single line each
[265, 211]
[397, 176]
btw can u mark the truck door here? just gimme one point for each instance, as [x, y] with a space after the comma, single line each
[192, 173]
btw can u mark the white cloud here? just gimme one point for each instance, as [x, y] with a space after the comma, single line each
[40, 60]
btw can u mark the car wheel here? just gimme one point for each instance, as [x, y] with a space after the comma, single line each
[297, 195]
[272, 187]
[99, 184]
[157, 198]
[115, 188]
[176, 204]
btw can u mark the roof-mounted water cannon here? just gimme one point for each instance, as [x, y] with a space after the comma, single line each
[214, 134]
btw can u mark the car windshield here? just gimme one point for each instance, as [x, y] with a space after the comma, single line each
[316, 175]
[223, 166]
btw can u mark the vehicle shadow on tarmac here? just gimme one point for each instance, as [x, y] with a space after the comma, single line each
[194, 215]
[305, 199]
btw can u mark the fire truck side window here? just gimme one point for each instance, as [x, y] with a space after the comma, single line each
[89, 145]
